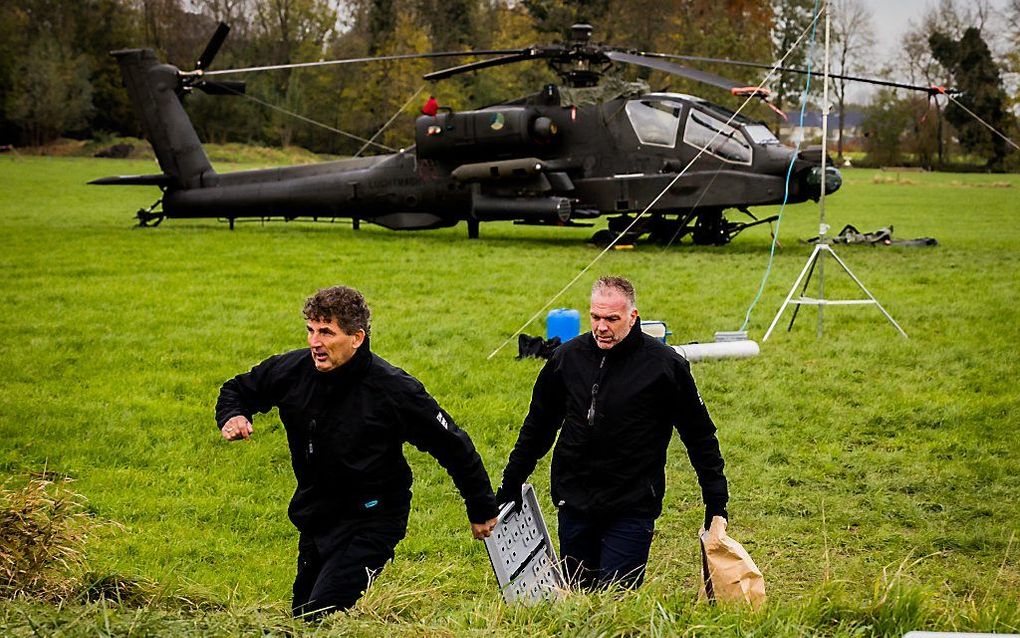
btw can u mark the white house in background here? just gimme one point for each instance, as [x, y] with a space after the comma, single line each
[852, 129]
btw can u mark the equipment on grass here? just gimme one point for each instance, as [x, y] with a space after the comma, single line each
[727, 345]
[522, 554]
[528, 346]
[718, 350]
[562, 323]
[880, 237]
[657, 329]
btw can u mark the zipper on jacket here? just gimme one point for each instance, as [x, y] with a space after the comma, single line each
[311, 432]
[595, 393]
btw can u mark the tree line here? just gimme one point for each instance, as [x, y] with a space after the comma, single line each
[57, 79]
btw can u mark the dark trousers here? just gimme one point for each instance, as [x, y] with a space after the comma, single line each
[601, 551]
[336, 566]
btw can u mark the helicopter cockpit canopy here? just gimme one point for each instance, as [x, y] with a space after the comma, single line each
[657, 119]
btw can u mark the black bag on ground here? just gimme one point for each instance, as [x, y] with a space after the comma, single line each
[528, 346]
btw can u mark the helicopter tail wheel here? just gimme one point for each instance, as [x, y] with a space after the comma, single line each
[149, 219]
[711, 229]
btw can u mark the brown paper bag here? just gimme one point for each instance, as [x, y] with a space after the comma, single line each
[727, 570]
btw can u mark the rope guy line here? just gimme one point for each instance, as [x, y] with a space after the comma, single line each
[389, 121]
[310, 120]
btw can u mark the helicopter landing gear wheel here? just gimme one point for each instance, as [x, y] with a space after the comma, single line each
[664, 231]
[604, 237]
[711, 229]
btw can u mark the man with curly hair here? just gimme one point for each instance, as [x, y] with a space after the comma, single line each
[347, 414]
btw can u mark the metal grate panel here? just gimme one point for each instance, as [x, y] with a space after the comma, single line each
[522, 554]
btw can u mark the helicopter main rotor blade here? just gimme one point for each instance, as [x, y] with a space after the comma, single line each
[213, 47]
[518, 56]
[931, 90]
[378, 58]
[674, 69]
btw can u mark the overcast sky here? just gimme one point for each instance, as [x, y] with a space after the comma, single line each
[891, 19]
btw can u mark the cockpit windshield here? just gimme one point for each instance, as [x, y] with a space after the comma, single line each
[704, 131]
[760, 134]
[655, 121]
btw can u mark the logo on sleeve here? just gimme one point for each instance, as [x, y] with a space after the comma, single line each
[442, 420]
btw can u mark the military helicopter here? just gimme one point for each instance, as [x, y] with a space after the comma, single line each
[593, 146]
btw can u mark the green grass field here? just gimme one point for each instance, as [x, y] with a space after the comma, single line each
[874, 479]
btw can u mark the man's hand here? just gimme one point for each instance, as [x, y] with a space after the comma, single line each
[512, 495]
[715, 510]
[483, 530]
[238, 427]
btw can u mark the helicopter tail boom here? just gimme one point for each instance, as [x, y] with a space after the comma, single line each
[153, 88]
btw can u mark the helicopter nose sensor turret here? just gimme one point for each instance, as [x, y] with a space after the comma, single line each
[813, 181]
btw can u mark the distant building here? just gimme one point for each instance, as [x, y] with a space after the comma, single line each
[853, 130]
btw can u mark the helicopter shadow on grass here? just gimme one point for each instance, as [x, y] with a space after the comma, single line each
[509, 237]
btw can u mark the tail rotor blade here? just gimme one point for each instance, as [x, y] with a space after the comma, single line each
[223, 87]
[213, 47]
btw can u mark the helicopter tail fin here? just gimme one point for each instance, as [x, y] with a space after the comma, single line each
[153, 87]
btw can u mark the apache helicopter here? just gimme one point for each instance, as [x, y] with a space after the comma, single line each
[576, 151]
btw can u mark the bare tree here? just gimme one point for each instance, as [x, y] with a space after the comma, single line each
[853, 36]
[921, 67]
[790, 19]
[950, 17]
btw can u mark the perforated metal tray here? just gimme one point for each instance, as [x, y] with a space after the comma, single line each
[522, 554]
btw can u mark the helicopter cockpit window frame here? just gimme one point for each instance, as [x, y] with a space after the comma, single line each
[655, 122]
[719, 139]
[760, 134]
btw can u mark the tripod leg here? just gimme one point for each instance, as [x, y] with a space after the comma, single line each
[800, 278]
[807, 281]
[868, 293]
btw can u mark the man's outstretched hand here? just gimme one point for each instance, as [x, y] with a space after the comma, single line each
[483, 530]
[238, 427]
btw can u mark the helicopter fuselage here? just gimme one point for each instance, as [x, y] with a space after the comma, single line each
[598, 158]
[536, 160]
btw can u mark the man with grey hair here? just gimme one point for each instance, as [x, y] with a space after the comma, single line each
[347, 414]
[614, 396]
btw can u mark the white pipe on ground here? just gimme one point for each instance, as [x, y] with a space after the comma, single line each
[718, 350]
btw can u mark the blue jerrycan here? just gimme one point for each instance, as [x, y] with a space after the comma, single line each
[564, 323]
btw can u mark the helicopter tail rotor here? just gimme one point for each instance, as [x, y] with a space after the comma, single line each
[153, 88]
[195, 79]
[213, 47]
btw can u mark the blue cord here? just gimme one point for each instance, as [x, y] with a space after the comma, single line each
[789, 173]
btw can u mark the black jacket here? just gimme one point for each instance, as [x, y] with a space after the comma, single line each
[346, 430]
[615, 411]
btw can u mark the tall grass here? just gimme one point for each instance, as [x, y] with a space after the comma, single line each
[873, 478]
